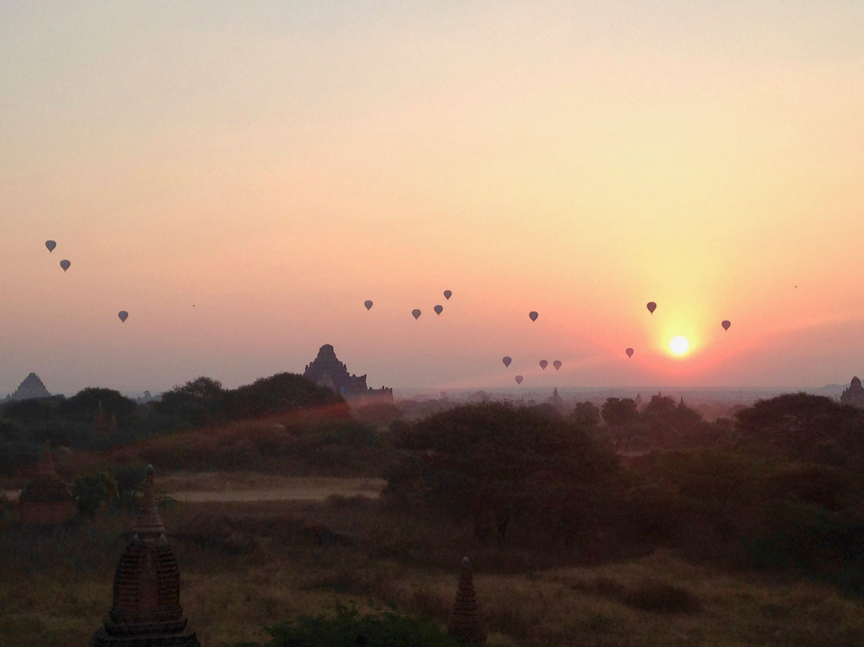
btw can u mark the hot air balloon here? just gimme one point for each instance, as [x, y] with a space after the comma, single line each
[368, 304]
[533, 315]
[447, 294]
[557, 364]
[543, 364]
[651, 307]
[439, 310]
[629, 352]
[123, 315]
[518, 379]
[50, 244]
[65, 264]
[507, 360]
[726, 323]
[416, 313]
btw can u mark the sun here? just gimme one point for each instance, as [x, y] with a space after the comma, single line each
[679, 345]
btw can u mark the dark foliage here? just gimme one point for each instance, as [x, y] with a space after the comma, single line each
[348, 628]
[806, 427]
[618, 412]
[586, 415]
[499, 463]
[83, 405]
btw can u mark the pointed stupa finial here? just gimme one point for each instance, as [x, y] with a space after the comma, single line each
[466, 621]
[149, 522]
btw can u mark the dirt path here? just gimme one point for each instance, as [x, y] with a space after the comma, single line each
[295, 494]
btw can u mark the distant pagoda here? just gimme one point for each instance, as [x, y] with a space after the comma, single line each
[30, 389]
[146, 611]
[327, 370]
[46, 500]
[557, 401]
[854, 395]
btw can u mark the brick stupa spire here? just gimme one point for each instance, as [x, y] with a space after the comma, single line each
[466, 621]
[46, 500]
[146, 610]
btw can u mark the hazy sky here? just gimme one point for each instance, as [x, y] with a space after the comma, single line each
[277, 163]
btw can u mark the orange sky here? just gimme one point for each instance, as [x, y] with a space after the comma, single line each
[276, 164]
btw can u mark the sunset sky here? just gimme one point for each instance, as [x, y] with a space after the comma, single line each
[275, 164]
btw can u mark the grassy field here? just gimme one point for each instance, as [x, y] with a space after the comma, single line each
[246, 566]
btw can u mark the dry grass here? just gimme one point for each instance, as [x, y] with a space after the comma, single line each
[245, 567]
[238, 481]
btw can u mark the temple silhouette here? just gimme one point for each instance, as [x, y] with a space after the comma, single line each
[854, 394]
[327, 370]
[30, 389]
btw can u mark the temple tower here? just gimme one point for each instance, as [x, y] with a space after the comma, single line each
[146, 611]
[46, 500]
[854, 395]
[466, 621]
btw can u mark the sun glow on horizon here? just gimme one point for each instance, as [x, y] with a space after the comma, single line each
[679, 345]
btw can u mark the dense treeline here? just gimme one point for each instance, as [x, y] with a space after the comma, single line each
[781, 487]
[98, 419]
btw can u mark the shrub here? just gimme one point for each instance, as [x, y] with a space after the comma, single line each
[90, 492]
[348, 628]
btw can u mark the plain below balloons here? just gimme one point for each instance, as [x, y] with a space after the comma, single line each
[123, 315]
[651, 307]
[368, 304]
[557, 364]
[65, 264]
[518, 379]
[543, 364]
[447, 294]
[439, 310]
[533, 315]
[507, 360]
[50, 244]
[726, 323]
[416, 312]
[629, 352]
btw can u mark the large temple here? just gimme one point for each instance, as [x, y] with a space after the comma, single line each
[328, 371]
[146, 611]
[854, 395]
[30, 389]
[46, 500]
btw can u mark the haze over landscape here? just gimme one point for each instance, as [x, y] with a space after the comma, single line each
[241, 181]
[505, 323]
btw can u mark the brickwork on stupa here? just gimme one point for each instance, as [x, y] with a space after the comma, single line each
[46, 500]
[466, 621]
[146, 609]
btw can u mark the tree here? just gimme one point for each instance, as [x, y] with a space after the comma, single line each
[83, 405]
[796, 423]
[197, 402]
[90, 492]
[500, 463]
[618, 412]
[281, 393]
[586, 415]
